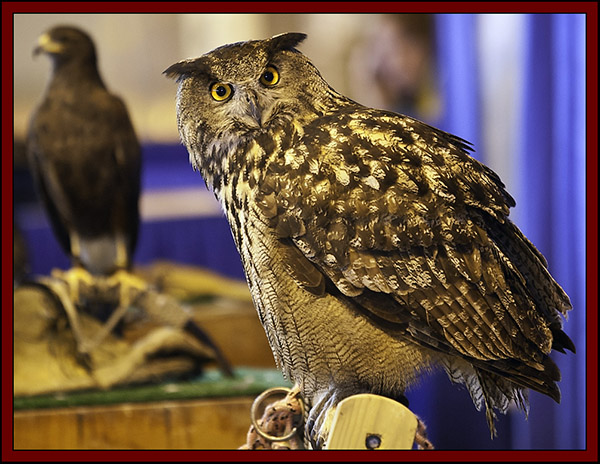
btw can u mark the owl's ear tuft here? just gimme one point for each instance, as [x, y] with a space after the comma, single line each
[286, 41]
[186, 68]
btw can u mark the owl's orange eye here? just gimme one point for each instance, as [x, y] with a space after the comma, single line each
[221, 91]
[270, 76]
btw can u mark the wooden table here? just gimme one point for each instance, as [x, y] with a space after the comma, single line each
[183, 416]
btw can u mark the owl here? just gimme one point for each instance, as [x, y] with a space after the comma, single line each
[375, 247]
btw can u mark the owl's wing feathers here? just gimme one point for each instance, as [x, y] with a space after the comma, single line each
[404, 223]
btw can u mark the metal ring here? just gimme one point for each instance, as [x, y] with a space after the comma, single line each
[259, 399]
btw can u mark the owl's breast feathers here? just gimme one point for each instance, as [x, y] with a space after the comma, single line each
[395, 217]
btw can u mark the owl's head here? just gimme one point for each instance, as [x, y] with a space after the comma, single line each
[242, 90]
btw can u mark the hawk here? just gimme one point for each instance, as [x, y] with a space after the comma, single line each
[85, 157]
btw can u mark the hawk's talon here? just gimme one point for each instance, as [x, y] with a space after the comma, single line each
[73, 278]
[130, 286]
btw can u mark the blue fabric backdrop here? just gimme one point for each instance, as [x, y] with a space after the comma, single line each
[550, 180]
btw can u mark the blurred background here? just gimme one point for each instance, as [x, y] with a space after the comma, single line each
[513, 85]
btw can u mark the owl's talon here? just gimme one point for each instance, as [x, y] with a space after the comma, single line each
[318, 421]
[421, 439]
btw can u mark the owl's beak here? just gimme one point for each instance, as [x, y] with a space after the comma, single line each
[253, 109]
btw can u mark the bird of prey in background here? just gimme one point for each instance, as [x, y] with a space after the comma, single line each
[85, 157]
[85, 160]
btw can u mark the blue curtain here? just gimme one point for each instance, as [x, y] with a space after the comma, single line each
[553, 195]
[549, 175]
[458, 77]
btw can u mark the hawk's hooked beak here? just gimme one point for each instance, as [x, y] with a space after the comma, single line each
[45, 44]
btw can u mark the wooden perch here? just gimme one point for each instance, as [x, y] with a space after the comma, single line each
[369, 421]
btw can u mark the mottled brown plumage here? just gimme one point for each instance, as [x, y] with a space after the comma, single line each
[374, 246]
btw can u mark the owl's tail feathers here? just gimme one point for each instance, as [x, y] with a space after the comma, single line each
[496, 391]
[509, 376]
[497, 394]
